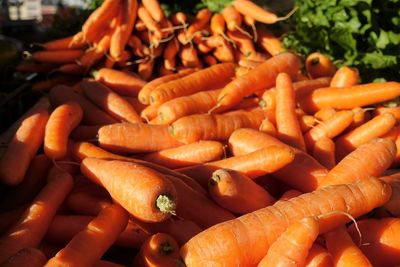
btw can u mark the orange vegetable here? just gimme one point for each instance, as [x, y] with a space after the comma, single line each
[319, 65]
[57, 57]
[29, 256]
[318, 257]
[324, 152]
[345, 77]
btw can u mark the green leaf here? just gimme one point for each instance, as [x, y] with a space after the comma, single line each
[379, 61]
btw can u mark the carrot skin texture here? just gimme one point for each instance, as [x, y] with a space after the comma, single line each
[24, 145]
[319, 65]
[234, 234]
[345, 77]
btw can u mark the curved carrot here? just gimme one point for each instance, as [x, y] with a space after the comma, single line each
[58, 128]
[268, 41]
[29, 256]
[244, 43]
[345, 77]
[157, 198]
[150, 23]
[291, 248]
[319, 65]
[251, 230]
[324, 152]
[369, 159]
[189, 57]
[23, 147]
[237, 193]
[232, 18]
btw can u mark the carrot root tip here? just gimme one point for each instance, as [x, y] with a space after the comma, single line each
[165, 204]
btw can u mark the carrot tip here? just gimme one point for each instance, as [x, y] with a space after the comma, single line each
[165, 204]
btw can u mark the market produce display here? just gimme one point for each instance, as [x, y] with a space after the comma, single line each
[198, 141]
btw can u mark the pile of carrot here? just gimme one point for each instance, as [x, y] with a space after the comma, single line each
[206, 167]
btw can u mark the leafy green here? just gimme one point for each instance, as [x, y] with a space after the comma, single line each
[360, 33]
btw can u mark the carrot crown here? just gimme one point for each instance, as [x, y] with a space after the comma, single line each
[165, 204]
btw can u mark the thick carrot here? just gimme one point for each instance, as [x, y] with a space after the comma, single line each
[32, 226]
[92, 115]
[369, 159]
[121, 82]
[263, 76]
[319, 65]
[237, 192]
[158, 250]
[205, 79]
[292, 247]
[22, 148]
[268, 41]
[255, 164]
[324, 152]
[345, 77]
[344, 252]
[260, 228]
[148, 203]
[57, 57]
[391, 208]
[304, 173]
[58, 128]
[382, 237]
[318, 257]
[187, 155]
[288, 125]
[28, 256]
[197, 127]
[88, 246]
[350, 97]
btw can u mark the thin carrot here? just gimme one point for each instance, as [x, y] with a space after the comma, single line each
[237, 193]
[291, 248]
[224, 53]
[203, 16]
[345, 77]
[88, 246]
[244, 43]
[369, 159]
[268, 41]
[319, 65]
[170, 52]
[209, 60]
[150, 23]
[137, 46]
[23, 147]
[232, 18]
[94, 54]
[324, 152]
[28, 256]
[32, 226]
[58, 128]
[57, 57]
[251, 230]
[155, 203]
[71, 68]
[248, 8]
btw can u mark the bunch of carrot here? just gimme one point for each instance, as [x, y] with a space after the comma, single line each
[137, 37]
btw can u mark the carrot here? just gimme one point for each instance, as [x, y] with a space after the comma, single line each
[203, 16]
[291, 248]
[244, 43]
[77, 40]
[377, 127]
[369, 159]
[306, 122]
[319, 65]
[187, 155]
[224, 53]
[88, 246]
[58, 128]
[160, 198]
[137, 46]
[149, 113]
[305, 87]
[109, 101]
[28, 256]
[324, 152]
[32, 226]
[288, 126]
[290, 194]
[381, 235]
[237, 193]
[251, 230]
[121, 82]
[135, 103]
[255, 164]
[259, 78]
[23, 147]
[158, 250]
[145, 69]
[150, 23]
[345, 77]
[170, 52]
[197, 127]
[57, 57]
[391, 208]
[248, 8]
[380, 109]
[92, 115]
[318, 257]
[217, 26]
[304, 173]
[71, 68]
[347, 98]
[205, 79]
[189, 57]
[85, 132]
[209, 60]
[344, 252]
[61, 44]
[48, 84]
[232, 18]
[325, 114]
[268, 41]
[94, 55]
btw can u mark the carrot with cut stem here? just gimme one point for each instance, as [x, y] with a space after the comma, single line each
[319, 65]
[88, 246]
[32, 226]
[92, 115]
[58, 128]
[288, 126]
[369, 159]
[318, 257]
[291, 248]
[251, 230]
[345, 77]
[237, 192]
[197, 127]
[23, 147]
[28, 256]
[324, 152]
[153, 203]
[57, 57]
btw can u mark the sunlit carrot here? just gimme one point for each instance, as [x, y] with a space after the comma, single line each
[345, 77]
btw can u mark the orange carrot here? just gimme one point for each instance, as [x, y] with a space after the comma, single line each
[62, 44]
[160, 199]
[94, 55]
[197, 127]
[306, 122]
[88, 246]
[291, 248]
[248, 8]
[71, 68]
[391, 208]
[82, 202]
[237, 192]
[268, 41]
[244, 43]
[23, 147]
[58, 128]
[232, 18]
[136, 104]
[324, 152]
[224, 53]
[345, 77]
[203, 16]
[181, 230]
[287, 123]
[369, 159]
[395, 110]
[189, 57]
[32, 226]
[209, 60]
[149, 113]
[319, 65]
[57, 57]
[145, 69]
[150, 23]
[251, 230]
[325, 114]
[10, 217]
[28, 256]
[318, 257]
[170, 52]
[137, 46]
[290, 194]
[92, 115]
